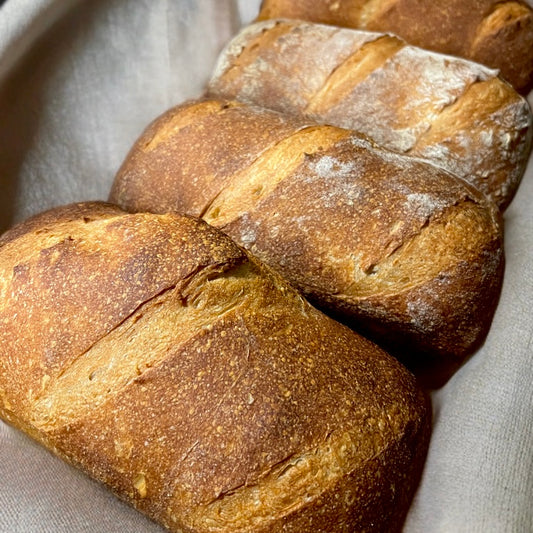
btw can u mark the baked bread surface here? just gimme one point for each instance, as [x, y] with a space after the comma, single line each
[455, 113]
[496, 33]
[169, 364]
[388, 243]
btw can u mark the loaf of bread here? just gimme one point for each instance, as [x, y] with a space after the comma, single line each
[159, 357]
[400, 249]
[496, 33]
[455, 113]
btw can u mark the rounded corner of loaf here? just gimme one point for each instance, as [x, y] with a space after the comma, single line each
[504, 40]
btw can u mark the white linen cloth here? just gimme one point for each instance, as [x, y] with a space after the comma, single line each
[79, 80]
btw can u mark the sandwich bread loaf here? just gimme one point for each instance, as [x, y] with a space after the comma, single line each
[166, 362]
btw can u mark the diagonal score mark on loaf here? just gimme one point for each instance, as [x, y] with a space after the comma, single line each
[455, 225]
[65, 282]
[297, 481]
[452, 237]
[487, 123]
[350, 72]
[350, 86]
[502, 13]
[369, 11]
[27, 296]
[274, 165]
[395, 118]
[507, 31]
[191, 176]
[141, 341]
[345, 74]
[283, 65]
[177, 121]
[481, 98]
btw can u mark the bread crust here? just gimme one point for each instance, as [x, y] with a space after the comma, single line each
[497, 34]
[219, 400]
[455, 113]
[361, 231]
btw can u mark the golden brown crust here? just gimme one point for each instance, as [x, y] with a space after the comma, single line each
[352, 226]
[455, 113]
[507, 32]
[497, 34]
[223, 402]
[415, 261]
[86, 211]
[171, 134]
[56, 264]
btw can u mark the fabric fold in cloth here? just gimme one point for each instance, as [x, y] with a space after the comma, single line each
[79, 81]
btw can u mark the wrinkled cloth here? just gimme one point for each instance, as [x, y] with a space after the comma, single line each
[79, 81]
